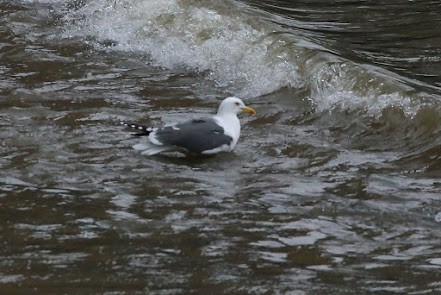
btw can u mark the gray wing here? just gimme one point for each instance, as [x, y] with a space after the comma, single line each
[195, 136]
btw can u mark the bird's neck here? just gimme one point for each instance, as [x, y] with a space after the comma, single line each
[229, 117]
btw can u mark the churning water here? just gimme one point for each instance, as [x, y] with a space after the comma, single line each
[334, 187]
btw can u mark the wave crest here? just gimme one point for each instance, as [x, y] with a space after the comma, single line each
[226, 45]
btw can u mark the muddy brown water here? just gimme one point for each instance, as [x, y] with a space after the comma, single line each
[334, 187]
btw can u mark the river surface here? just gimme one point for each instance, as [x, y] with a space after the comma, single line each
[333, 188]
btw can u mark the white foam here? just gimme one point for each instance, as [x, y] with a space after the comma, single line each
[344, 85]
[239, 52]
[224, 44]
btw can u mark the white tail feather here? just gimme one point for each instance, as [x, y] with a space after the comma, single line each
[150, 149]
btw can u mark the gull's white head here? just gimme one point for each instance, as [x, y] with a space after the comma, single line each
[233, 105]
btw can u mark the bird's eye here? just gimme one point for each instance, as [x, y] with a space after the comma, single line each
[237, 103]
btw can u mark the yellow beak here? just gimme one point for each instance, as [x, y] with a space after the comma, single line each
[249, 110]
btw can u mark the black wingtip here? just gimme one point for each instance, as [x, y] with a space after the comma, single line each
[145, 130]
[140, 134]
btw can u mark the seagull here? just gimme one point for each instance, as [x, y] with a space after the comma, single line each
[205, 136]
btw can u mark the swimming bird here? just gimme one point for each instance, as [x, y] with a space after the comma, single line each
[206, 136]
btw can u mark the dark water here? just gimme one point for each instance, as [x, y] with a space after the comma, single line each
[334, 187]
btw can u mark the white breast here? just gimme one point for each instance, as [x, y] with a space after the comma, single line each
[231, 125]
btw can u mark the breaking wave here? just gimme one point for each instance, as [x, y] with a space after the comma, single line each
[239, 52]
